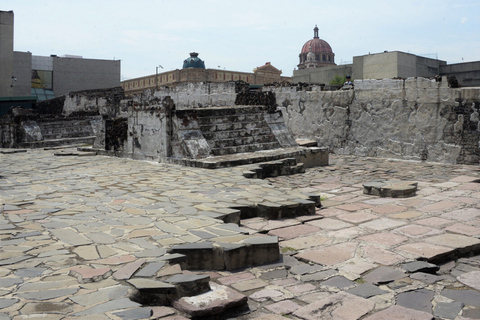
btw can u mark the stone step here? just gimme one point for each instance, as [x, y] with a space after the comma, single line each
[232, 160]
[245, 148]
[231, 126]
[283, 167]
[223, 143]
[242, 117]
[229, 256]
[231, 134]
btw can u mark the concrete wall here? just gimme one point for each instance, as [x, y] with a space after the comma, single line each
[73, 74]
[6, 53]
[416, 119]
[22, 67]
[321, 75]
[467, 73]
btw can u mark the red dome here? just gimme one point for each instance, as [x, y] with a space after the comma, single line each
[318, 46]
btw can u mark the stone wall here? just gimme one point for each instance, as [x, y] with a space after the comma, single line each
[416, 118]
[197, 94]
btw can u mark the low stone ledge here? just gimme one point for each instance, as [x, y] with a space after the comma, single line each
[217, 301]
[391, 189]
[188, 285]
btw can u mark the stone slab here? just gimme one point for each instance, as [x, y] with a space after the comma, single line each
[471, 279]
[216, 301]
[420, 300]
[400, 313]
[339, 306]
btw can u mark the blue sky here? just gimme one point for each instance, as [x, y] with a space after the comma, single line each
[242, 35]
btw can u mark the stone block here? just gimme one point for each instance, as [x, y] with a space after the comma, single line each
[190, 284]
[219, 300]
[314, 157]
[200, 256]
[261, 250]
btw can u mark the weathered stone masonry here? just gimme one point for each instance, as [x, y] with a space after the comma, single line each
[416, 119]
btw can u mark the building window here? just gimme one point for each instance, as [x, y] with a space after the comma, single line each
[42, 79]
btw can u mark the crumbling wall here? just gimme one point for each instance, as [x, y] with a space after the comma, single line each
[416, 118]
[197, 94]
[98, 101]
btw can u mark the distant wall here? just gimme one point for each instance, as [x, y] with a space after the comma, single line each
[467, 73]
[416, 119]
[321, 75]
[22, 67]
[73, 74]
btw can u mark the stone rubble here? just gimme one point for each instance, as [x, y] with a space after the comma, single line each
[80, 235]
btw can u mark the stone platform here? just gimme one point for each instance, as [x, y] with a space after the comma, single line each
[78, 235]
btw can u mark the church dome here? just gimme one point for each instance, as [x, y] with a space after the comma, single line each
[193, 62]
[316, 53]
[318, 46]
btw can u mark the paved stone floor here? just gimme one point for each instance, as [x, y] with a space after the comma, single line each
[73, 229]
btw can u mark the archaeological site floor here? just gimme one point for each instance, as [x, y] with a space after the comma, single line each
[95, 237]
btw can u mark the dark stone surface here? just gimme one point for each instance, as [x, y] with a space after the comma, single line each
[275, 274]
[134, 314]
[338, 281]
[420, 266]
[319, 276]
[467, 297]
[383, 275]
[426, 277]
[447, 310]
[420, 299]
[366, 290]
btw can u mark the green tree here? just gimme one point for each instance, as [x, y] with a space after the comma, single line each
[338, 80]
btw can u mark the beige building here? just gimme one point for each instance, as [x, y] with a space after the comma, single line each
[317, 65]
[194, 71]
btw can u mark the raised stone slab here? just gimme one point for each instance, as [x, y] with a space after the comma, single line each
[219, 300]
[391, 189]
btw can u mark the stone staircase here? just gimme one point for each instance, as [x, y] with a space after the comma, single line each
[218, 137]
[237, 130]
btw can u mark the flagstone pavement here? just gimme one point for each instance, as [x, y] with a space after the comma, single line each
[74, 229]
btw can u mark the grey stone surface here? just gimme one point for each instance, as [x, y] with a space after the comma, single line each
[383, 275]
[420, 266]
[149, 208]
[48, 294]
[366, 290]
[135, 314]
[338, 281]
[468, 297]
[426, 277]
[420, 300]
[108, 306]
[447, 310]
[274, 274]
[30, 272]
[7, 302]
[150, 269]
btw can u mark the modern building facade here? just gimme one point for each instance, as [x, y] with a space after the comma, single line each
[194, 70]
[23, 74]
